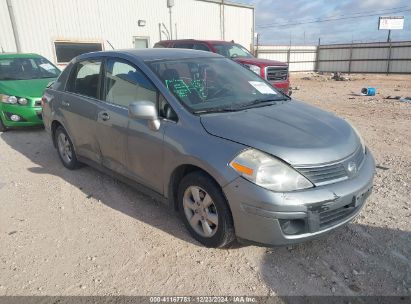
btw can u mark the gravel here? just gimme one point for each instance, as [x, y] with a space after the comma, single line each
[82, 233]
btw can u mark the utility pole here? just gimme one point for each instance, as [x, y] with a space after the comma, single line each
[222, 20]
[170, 4]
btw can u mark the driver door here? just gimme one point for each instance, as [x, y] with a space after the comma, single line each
[129, 146]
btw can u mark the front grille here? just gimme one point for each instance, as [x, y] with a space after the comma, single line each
[276, 73]
[330, 217]
[327, 174]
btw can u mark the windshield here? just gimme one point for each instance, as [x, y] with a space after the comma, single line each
[27, 68]
[214, 84]
[232, 50]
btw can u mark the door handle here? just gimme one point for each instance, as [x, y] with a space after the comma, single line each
[104, 116]
[65, 104]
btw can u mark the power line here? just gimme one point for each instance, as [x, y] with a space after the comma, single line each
[379, 11]
[382, 10]
[325, 20]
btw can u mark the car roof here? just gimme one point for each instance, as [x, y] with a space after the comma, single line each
[195, 40]
[153, 54]
[18, 55]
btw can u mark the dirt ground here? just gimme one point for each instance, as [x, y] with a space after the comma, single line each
[82, 233]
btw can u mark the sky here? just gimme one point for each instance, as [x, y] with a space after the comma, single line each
[273, 19]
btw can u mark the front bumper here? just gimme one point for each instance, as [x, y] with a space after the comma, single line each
[30, 116]
[262, 216]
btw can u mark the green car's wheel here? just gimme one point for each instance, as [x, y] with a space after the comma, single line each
[2, 126]
[65, 149]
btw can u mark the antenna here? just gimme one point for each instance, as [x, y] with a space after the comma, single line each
[110, 44]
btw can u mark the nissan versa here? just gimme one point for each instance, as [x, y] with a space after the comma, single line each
[23, 78]
[236, 158]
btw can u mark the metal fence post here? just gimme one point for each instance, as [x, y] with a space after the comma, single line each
[317, 59]
[389, 59]
[288, 57]
[349, 63]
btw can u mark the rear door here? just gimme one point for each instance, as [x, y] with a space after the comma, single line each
[78, 105]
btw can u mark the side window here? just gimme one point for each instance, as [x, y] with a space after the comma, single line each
[183, 46]
[201, 47]
[124, 84]
[85, 78]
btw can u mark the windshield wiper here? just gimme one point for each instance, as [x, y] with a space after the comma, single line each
[261, 102]
[215, 110]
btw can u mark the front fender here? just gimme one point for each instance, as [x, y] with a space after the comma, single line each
[194, 146]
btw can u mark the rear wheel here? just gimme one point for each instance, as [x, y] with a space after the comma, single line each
[204, 210]
[65, 149]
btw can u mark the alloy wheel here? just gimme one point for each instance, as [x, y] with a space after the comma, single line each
[200, 211]
[64, 148]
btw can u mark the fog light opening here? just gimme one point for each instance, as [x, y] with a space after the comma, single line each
[15, 117]
[291, 227]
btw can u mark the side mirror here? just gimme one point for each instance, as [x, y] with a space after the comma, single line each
[145, 110]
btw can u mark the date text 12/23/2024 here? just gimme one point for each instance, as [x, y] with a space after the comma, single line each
[203, 299]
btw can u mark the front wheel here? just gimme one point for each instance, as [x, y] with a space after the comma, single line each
[204, 210]
[65, 149]
[2, 126]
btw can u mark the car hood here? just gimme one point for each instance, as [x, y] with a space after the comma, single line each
[32, 88]
[298, 133]
[259, 61]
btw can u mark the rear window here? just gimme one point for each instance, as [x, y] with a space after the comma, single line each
[232, 50]
[201, 47]
[183, 46]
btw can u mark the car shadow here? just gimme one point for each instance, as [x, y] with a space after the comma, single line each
[351, 261]
[37, 146]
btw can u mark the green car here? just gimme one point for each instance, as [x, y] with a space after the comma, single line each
[23, 78]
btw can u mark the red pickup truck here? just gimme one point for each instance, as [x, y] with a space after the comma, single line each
[275, 72]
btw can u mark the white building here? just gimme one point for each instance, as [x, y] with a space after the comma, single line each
[57, 29]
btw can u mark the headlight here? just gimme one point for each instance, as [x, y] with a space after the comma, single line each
[13, 99]
[256, 69]
[268, 172]
[22, 101]
[8, 99]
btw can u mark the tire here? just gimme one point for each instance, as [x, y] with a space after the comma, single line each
[211, 217]
[65, 149]
[2, 126]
